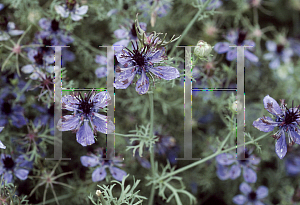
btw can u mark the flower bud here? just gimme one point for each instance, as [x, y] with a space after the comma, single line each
[202, 49]
[98, 193]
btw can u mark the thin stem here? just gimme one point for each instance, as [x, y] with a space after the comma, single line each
[211, 156]
[186, 30]
[150, 202]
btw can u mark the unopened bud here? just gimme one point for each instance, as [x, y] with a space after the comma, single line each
[98, 193]
[202, 49]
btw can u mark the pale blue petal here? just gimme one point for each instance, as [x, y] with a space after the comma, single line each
[280, 146]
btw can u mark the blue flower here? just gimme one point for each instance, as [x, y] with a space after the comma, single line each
[7, 28]
[71, 7]
[10, 110]
[142, 61]
[18, 167]
[277, 53]
[46, 117]
[160, 8]
[85, 109]
[225, 160]
[287, 120]
[97, 160]
[166, 146]
[250, 197]
[236, 38]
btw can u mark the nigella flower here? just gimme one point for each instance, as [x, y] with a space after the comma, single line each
[166, 146]
[86, 110]
[142, 62]
[10, 166]
[72, 7]
[10, 110]
[277, 53]
[2, 146]
[160, 7]
[236, 38]
[250, 197]
[229, 167]
[99, 173]
[287, 120]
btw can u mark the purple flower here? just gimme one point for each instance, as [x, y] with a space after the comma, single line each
[141, 61]
[236, 38]
[71, 7]
[229, 167]
[295, 46]
[166, 146]
[7, 28]
[10, 110]
[9, 167]
[100, 173]
[86, 111]
[249, 196]
[286, 120]
[277, 53]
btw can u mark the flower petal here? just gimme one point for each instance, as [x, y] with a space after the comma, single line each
[68, 122]
[117, 173]
[101, 99]
[165, 72]
[124, 79]
[231, 54]
[21, 173]
[271, 46]
[82, 10]
[239, 199]
[225, 159]
[280, 146]
[264, 124]
[295, 136]
[27, 69]
[99, 122]
[61, 11]
[272, 106]
[275, 63]
[142, 85]
[250, 56]
[249, 175]
[245, 188]
[262, 192]
[69, 102]
[222, 172]
[2, 146]
[235, 171]
[101, 59]
[75, 17]
[89, 161]
[268, 56]
[85, 135]
[121, 33]
[99, 174]
[221, 47]
[8, 177]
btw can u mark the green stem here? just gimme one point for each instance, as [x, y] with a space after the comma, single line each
[150, 202]
[211, 156]
[186, 30]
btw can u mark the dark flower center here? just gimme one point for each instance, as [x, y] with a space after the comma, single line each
[39, 58]
[85, 105]
[54, 25]
[47, 83]
[6, 108]
[133, 31]
[46, 42]
[8, 162]
[252, 196]
[70, 4]
[279, 48]
[292, 116]
[242, 37]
